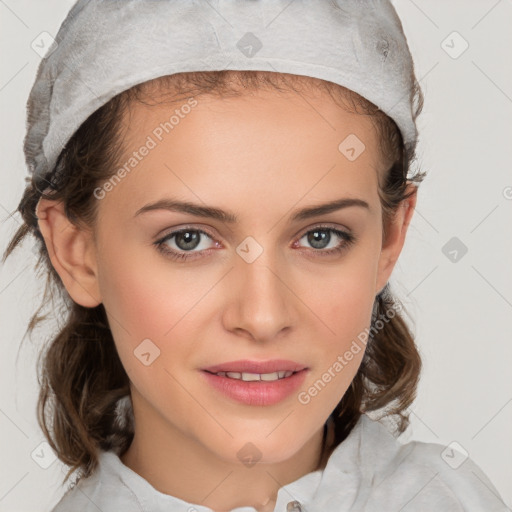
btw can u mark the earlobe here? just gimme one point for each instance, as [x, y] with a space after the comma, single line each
[395, 238]
[71, 252]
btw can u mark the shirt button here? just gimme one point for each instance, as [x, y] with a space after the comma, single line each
[293, 506]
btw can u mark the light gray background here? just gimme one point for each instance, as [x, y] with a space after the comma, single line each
[462, 309]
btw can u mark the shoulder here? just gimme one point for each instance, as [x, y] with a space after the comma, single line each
[418, 476]
[103, 490]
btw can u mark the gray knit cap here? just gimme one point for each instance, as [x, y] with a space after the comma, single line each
[104, 47]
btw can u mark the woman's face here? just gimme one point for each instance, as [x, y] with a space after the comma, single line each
[278, 282]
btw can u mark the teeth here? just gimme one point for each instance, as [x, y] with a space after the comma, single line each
[248, 377]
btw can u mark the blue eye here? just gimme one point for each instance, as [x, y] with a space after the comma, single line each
[321, 238]
[187, 242]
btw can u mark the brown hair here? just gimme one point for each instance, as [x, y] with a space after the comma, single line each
[80, 373]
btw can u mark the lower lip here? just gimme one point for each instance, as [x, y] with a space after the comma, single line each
[257, 392]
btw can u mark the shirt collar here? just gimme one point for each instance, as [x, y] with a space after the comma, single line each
[339, 480]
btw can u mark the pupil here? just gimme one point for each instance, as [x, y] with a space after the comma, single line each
[190, 239]
[319, 239]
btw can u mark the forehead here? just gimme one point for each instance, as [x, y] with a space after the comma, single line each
[258, 143]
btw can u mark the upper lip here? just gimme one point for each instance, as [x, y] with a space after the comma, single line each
[246, 366]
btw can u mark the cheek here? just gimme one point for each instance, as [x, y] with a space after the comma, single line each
[342, 300]
[144, 294]
[347, 313]
[149, 310]
[343, 296]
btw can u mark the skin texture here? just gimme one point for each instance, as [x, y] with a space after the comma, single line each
[261, 157]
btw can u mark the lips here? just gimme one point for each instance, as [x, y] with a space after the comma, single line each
[260, 393]
[246, 366]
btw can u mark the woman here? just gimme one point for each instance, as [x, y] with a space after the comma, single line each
[225, 239]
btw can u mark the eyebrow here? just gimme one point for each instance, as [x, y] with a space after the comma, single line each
[230, 218]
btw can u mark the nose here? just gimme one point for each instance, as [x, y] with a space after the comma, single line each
[261, 302]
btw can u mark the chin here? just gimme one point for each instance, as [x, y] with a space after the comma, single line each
[263, 450]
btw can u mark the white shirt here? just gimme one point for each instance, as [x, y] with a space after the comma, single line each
[369, 471]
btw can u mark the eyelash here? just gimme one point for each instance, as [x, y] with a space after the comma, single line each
[349, 239]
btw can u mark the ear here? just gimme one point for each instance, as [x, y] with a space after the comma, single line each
[396, 230]
[71, 252]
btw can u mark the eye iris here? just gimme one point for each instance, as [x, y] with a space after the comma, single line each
[318, 237]
[190, 239]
